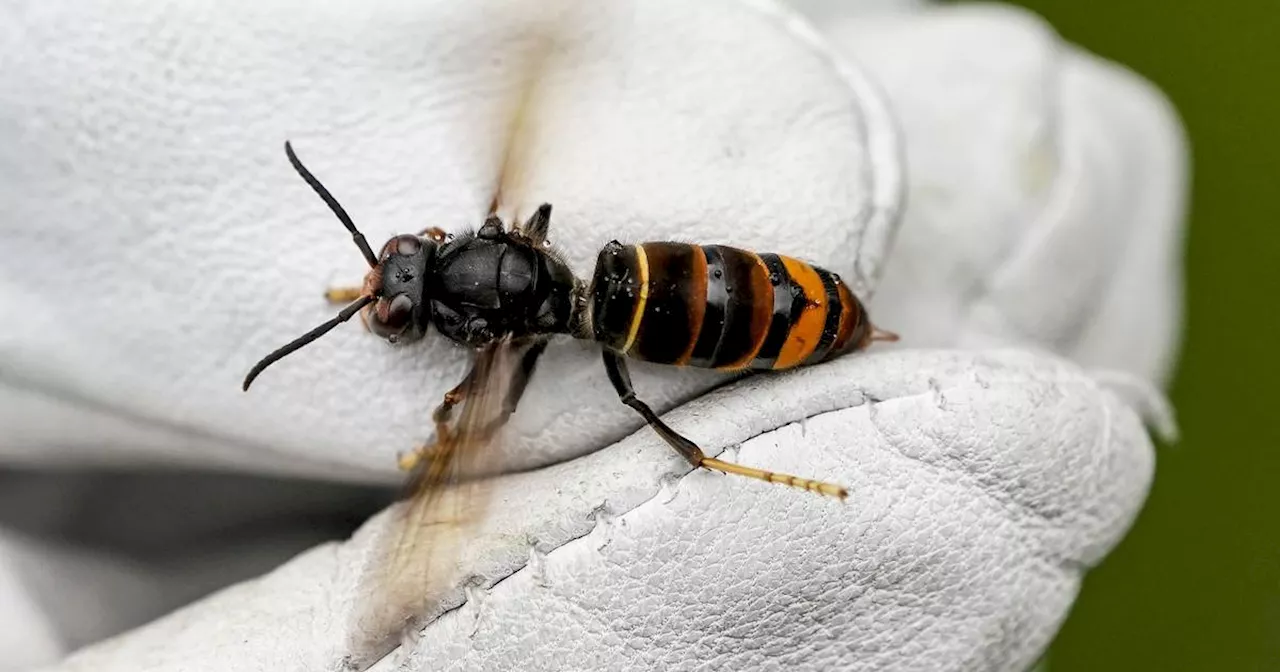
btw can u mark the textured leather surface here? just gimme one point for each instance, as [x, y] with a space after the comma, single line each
[981, 485]
[146, 150]
[1041, 195]
[1046, 191]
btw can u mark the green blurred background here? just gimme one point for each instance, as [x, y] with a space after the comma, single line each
[1196, 585]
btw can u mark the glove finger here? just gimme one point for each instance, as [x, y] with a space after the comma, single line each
[982, 484]
[186, 248]
[1047, 190]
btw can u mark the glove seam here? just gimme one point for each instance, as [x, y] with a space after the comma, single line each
[1022, 511]
[879, 134]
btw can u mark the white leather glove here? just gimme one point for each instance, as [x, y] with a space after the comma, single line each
[155, 244]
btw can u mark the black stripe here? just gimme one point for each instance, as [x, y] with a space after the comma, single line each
[738, 340]
[832, 326]
[704, 352]
[784, 312]
[615, 289]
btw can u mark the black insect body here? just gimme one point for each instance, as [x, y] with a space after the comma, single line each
[493, 283]
[672, 303]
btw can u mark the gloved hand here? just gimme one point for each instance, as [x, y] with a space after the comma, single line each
[156, 244]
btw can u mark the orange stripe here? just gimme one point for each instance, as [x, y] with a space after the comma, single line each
[805, 332]
[761, 312]
[697, 298]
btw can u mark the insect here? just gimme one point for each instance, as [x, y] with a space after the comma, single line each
[710, 306]
[504, 293]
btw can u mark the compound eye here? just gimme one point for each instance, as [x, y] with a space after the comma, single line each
[398, 312]
[408, 245]
[390, 321]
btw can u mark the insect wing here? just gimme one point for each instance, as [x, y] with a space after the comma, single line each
[529, 102]
[413, 571]
[520, 121]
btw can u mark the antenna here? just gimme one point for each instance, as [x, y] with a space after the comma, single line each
[306, 338]
[332, 202]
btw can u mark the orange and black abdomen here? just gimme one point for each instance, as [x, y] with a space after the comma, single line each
[721, 307]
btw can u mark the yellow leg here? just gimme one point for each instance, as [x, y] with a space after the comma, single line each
[434, 233]
[420, 455]
[820, 487]
[441, 416]
[342, 294]
[616, 367]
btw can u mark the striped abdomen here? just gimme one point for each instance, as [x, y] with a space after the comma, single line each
[721, 307]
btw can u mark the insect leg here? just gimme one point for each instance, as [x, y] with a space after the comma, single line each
[444, 412]
[434, 233]
[342, 294]
[616, 367]
[519, 381]
[440, 416]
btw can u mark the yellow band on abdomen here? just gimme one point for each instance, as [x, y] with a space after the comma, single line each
[637, 313]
